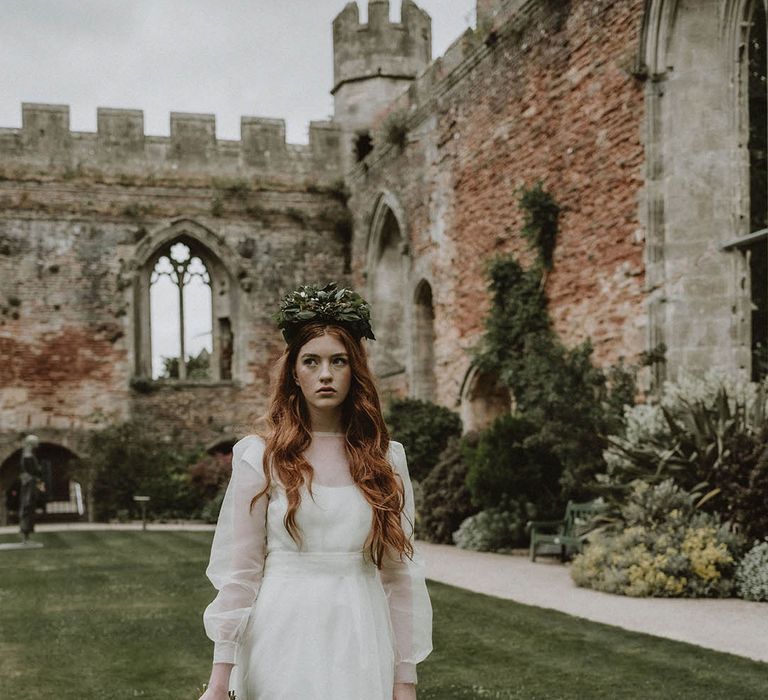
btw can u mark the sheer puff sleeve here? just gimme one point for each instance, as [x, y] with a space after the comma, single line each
[237, 552]
[404, 583]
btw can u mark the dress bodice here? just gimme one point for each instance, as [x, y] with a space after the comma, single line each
[334, 517]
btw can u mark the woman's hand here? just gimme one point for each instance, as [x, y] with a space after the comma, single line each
[216, 692]
[218, 683]
[404, 691]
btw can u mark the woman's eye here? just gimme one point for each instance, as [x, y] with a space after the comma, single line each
[340, 361]
[309, 361]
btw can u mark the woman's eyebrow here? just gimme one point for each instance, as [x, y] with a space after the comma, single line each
[312, 354]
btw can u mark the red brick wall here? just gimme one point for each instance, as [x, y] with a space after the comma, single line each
[66, 301]
[554, 100]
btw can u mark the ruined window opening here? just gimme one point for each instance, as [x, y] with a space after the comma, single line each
[757, 250]
[181, 314]
[388, 304]
[424, 345]
[223, 447]
[363, 145]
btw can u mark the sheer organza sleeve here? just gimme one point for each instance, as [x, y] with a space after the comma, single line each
[237, 552]
[404, 583]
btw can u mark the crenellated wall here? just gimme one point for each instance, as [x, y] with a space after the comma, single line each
[120, 145]
[84, 218]
[373, 64]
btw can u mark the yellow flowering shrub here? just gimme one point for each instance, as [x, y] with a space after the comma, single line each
[682, 554]
[705, 553]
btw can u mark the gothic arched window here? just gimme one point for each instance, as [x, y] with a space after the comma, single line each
[423, 382]
[181, 317]
[186, 302]
[388, 308]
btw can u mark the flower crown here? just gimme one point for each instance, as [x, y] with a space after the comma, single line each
[329, 304]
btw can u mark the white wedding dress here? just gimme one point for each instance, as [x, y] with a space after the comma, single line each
[322, 623]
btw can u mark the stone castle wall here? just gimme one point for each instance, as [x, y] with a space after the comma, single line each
[592, 98]
[81, 216]
[545, 92]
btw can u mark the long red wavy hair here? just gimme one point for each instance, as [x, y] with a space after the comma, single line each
[289, 432]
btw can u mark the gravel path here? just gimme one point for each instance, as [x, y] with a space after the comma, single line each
[731, 625]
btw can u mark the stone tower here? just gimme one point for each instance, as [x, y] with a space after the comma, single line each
[373, 63]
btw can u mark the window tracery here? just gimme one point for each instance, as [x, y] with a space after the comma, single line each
[186, 301]
[180, 274]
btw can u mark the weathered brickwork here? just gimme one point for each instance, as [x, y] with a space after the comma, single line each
[631, 113]
[553, 99]
[73, 236]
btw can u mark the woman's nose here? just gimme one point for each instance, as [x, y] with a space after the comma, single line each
[325, 370]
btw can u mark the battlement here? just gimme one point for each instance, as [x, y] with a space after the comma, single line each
[121, 145]
[380, 47]
[465, 50]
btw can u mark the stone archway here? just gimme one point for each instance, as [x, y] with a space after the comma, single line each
[387, 276]
[483, 398]
[423, 383]
[65, 495]
[219, 265]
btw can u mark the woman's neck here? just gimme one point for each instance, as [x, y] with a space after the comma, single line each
[326, 422]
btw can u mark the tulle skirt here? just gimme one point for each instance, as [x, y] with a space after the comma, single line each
[319, 630]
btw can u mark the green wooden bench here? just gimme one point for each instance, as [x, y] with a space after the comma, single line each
[569, 533]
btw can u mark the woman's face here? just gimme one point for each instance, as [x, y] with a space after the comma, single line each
[323, 373]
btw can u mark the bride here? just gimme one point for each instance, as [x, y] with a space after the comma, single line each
[321, 594]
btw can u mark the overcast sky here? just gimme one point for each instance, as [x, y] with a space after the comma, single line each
[269, 58]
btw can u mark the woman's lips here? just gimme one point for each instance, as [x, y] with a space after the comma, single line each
[326, 391]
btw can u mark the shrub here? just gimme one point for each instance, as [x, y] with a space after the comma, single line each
[210, 473]
[128, 459]
[424, 429]
[198, 366]
[444, 499]
[494, 529]
[752, 573]
[394, 129]
[667, 548]
[709, 431]
[508, 464]
[573, 404]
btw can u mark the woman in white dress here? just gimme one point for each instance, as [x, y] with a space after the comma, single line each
[321, 595]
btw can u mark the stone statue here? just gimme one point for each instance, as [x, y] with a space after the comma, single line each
[32, 486]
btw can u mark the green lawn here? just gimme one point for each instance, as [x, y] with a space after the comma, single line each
[97, 615]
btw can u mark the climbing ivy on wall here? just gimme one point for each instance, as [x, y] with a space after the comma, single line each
[542, 215]
[518, 319]
[555, 387]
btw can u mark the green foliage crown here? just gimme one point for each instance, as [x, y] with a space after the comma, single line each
[328, 304]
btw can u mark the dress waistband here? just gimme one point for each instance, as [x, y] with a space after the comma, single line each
[284, 563]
